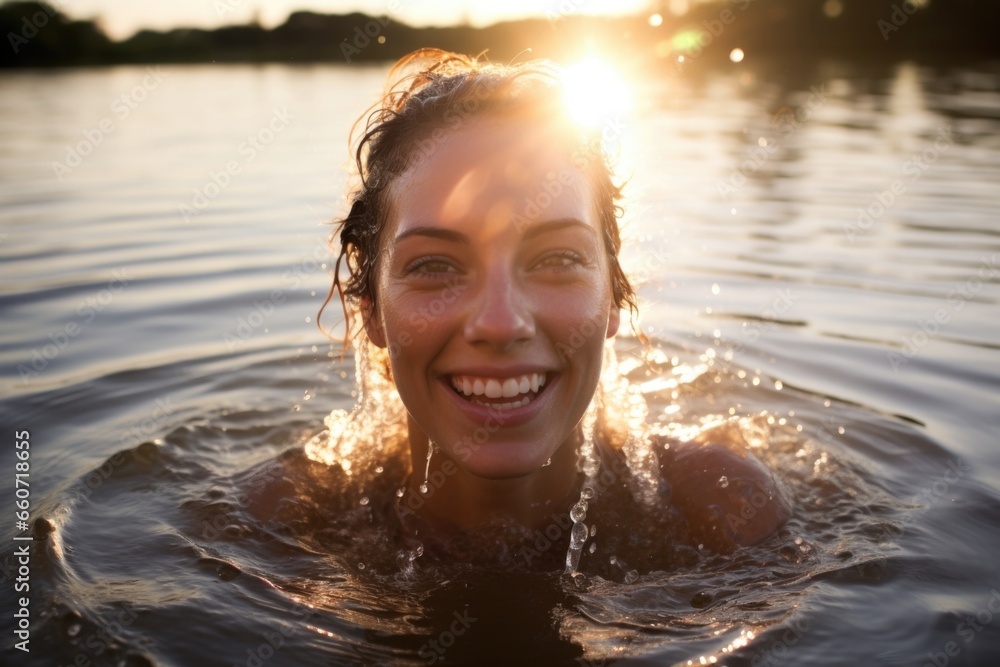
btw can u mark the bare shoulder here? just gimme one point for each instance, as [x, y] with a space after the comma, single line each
[728, 497]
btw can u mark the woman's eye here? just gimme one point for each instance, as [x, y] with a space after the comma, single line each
[430, 266]
[561, 260]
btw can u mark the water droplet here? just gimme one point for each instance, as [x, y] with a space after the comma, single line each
[427, 468]
[579, 512]
[593, 530]
[587, 493]
[593, 547]
[778, 385]
[361, 566]
[715, 290]
[723, 482]
[631, 576]
[840, 430]
[548, 462]
[400, 492]
[364, 500]
[379, 470]
[73, 630]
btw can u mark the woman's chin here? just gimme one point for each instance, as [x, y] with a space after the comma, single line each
[498, 461]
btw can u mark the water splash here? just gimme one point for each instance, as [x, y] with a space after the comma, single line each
[360, 441]
[424, 487]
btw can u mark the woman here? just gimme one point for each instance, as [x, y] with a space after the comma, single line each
[482, 250]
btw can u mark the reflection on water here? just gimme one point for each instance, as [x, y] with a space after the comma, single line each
[817, 252]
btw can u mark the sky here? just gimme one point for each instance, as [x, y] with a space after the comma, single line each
[122, 18]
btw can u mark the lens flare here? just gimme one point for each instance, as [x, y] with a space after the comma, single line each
[595, 92]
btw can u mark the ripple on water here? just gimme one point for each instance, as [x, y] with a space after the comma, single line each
[282, 538]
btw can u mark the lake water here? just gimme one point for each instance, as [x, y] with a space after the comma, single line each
[819, 255]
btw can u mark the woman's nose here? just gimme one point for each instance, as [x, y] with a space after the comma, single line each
[499, 315]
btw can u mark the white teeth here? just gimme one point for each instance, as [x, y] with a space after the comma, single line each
[496, 388]
[505, 406]
[493, 389]
[510, 388]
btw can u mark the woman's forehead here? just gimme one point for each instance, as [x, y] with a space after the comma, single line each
[503, 170]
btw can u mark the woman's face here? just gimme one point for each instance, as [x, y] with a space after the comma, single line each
[494, 295]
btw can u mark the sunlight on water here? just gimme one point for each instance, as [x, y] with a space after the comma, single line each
[207, 458]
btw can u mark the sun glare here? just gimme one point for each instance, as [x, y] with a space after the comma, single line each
[595, 92]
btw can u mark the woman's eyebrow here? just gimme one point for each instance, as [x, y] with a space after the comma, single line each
[550, 226]
[537, 229]
[433, 232]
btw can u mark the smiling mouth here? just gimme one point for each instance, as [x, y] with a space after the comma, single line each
[499, 393]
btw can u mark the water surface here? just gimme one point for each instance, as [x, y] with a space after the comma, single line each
[819, 260]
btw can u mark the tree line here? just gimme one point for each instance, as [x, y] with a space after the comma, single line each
[38, 34]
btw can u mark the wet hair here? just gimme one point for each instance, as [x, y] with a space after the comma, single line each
[430, 92]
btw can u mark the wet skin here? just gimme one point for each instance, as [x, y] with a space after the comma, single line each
[466, 291]
[745, 507]
[471, 289]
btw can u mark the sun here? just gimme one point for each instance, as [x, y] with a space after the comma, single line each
[595, 92]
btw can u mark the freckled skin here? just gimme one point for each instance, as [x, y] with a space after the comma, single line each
[744, 509]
